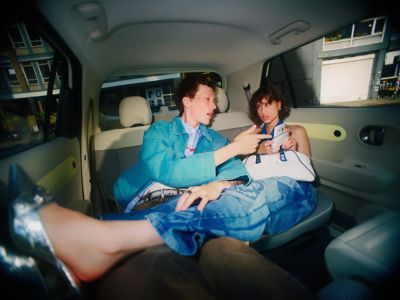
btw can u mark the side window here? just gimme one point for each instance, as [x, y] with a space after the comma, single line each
[157, 89]
[27, 116]
[358, 65]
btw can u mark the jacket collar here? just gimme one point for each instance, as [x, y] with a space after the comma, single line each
[177, 128]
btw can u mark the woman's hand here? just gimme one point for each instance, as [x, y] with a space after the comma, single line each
[290, 144]
[265, 147]
[207, 192]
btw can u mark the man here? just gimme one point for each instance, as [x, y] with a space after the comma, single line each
[168, 147]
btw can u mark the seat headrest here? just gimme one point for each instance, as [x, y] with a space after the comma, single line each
[134, 110]
[221, 99]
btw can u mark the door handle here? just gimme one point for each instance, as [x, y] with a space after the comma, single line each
[372, 135]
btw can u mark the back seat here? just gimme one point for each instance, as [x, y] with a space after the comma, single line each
[118, 149]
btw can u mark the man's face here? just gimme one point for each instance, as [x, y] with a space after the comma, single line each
[200, 108]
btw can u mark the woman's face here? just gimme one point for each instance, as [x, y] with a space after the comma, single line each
[268, 111]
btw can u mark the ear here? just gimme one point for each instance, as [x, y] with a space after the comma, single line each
[186, 101]
[279, 105]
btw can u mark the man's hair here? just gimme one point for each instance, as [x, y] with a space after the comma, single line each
[189, 87]
[270, 92]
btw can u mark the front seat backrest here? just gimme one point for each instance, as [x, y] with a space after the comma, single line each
[221, 99]
[134, 110]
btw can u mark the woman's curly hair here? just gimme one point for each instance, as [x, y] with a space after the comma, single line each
[270, 92]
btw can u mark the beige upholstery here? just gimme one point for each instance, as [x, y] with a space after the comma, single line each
[118, 149]
[221, 99]
[134, 110]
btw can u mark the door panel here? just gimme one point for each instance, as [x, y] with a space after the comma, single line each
[366, 171]
[54, 165]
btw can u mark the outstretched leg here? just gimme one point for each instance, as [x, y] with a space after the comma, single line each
[90, 247]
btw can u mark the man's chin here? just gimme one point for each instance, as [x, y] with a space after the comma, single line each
[206, 121]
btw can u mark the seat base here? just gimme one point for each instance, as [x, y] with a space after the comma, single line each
[317, 219]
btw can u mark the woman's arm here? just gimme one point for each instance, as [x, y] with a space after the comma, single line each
[298, 139]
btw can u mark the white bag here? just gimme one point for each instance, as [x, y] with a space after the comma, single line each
[297, 166]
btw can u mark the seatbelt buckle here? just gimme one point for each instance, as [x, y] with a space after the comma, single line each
[282, 155]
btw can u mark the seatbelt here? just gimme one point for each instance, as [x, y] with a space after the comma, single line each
[246, 89]
[97, 188]
[49, 96]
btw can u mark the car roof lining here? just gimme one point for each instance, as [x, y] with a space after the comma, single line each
[226, 35]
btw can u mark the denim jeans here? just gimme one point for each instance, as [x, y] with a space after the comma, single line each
[245, 212]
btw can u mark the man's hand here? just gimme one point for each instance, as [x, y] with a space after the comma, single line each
[247, 141]
[207, 192]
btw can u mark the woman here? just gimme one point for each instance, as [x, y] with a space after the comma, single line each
[267, 108]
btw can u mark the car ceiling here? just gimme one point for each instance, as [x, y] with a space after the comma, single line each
[114, 35]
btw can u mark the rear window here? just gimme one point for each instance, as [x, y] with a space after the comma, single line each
[157, 89]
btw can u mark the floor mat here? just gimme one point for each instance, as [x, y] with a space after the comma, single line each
[304, 259]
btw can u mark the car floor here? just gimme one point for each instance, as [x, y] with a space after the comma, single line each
[304, 258]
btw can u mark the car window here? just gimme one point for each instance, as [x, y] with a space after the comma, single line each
[358, 65]
[157, 89]
[27, 117]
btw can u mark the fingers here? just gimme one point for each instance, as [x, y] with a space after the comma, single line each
[252, 129]
[204, 193]
[202, 203]
[290, 144]
[267, 143]
[183, 201]
[263, 136]
[190, 196]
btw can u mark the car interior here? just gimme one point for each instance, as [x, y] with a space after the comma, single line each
[82, 81]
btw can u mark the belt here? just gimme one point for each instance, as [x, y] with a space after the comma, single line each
[157, 197]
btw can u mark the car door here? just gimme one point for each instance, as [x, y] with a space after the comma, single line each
[40, 112]
[340, 92]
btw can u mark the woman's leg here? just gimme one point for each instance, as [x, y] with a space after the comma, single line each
[90, 247]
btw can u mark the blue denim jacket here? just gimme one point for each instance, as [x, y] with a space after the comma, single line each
[162, 158]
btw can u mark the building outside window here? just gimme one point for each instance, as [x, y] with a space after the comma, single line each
[34, 37]
[16, 36]
[365, 32]
[11, 77]
[44, 68]
[30, 73]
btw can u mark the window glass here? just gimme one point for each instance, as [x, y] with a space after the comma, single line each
[30, 73]
[34, 37]
[363, 28]
[44, 70]
[16, 36]
[11, 76]
[379, 25]
[157, 89]
[22, 96]
[359, 70]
